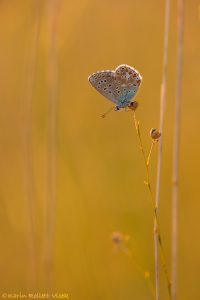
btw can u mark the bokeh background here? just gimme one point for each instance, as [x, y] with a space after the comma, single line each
[94, 166]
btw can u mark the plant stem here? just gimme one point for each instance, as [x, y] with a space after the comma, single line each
[53, 7]
[177, 145]
[140, 269]
[29, 178]
[160, 147]
[148, 184]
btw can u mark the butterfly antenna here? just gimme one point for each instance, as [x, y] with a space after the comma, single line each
[107, 112]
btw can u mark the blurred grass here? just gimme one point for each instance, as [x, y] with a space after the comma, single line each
[100, 169]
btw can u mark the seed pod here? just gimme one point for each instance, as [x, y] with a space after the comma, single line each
[155, 134]
[133, 105]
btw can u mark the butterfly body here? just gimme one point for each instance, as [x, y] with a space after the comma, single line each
[119, 86]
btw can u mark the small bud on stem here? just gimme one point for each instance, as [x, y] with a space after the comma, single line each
[133, 105]
[155, 134]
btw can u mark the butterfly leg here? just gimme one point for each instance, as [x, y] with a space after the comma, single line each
[117, 108]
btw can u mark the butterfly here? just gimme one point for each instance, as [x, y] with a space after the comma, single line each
[119, 86]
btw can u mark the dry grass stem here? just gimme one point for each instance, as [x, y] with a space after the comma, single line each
[28, 146]
[53, 7]
[177, 145]
[160, 147]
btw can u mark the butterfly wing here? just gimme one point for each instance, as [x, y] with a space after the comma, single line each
[128, 76]
[103, 82]
[119, 86]
[128, 81]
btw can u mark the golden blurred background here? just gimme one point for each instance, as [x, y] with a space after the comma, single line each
[93, 165]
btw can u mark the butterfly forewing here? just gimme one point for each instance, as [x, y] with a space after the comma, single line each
[104, 82]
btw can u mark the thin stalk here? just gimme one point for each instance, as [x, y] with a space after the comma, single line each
[140, 268]
[160, 147]
[53, 7]
[175, 185]
[148, 184]
[28, 145]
